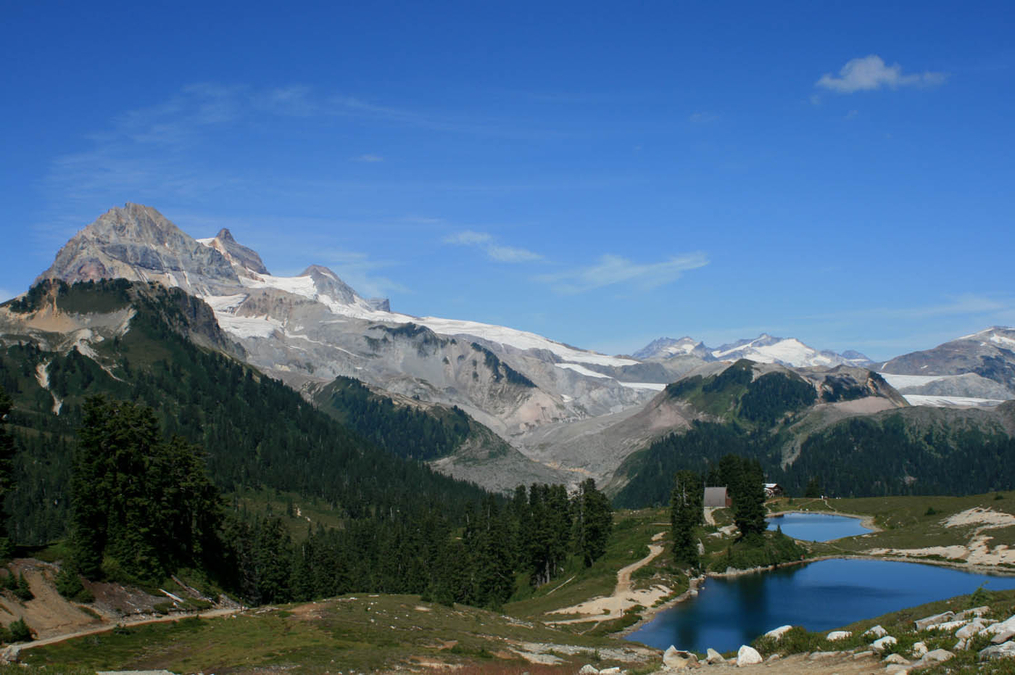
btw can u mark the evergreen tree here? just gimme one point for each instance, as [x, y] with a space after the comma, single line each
[6, 467]
[593, 521]
[145, 502]
[748, 494]
[686, 513]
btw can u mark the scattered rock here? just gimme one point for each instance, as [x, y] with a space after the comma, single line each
[949, 626]
[975, 611]
[919, 649]
[837, 635]
[897, 668]
[588, 670]
[881, 644]
[611, 671]
[897, 658]
[1003, 627]
[959, 646]
[676, 659]
[1001, 638]
[876, 631]
[774, 657]
[994, 652]
[748, 656]
[777, 633]
[936, 656]
[863, 654]
[928, 621]
[969, 630]
[822, 655]
[713, 657]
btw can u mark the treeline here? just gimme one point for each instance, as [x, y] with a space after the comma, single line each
[888, 454]
[399, 429]
[143, 507]
[532, 538]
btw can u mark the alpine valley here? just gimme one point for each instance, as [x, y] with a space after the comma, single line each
[136, 308]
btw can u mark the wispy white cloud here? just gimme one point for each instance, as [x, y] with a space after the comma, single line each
[369, 158]
[870, 72]
[498, 252]
[614, 269]
[967, 304]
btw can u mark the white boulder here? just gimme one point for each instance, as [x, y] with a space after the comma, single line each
[936, 656]
[676, 659]
[995, 652]
[897, 658]
[777, 633]
[875, 631]
[919, 649]
[713, 657]
[928, 621]
[881, 644]
[837, 635]
[588, 670]
[748, 656]
[969, 630]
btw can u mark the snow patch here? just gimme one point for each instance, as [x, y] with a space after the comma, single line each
[247, 327]
[582, 370]
[654, 386]
[951, 401]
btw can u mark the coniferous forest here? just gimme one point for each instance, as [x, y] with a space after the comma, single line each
[133, 469]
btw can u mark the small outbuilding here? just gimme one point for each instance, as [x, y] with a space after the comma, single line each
[773, 490]
[717, 497]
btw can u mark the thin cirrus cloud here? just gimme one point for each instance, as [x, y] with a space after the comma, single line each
[613, 269]
[369, 158]
[870, 73]
[498, 252]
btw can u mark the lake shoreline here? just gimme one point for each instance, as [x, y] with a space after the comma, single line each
[695, 583]
[865, 521]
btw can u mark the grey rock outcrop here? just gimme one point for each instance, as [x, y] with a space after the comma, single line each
[937, 619]
[996, 652]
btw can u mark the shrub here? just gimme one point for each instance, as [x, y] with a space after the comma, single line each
[21, 589]
[19, 631]
[68, 584]
[930, 511]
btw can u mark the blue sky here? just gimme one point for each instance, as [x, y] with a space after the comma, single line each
[600, 173]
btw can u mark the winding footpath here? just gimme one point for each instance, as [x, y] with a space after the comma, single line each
[14, 650]
[623, 597]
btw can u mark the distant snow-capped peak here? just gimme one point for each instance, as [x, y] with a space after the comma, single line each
[763, 349]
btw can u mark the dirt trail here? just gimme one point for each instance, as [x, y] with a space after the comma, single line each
[211, 614]
[623, 597]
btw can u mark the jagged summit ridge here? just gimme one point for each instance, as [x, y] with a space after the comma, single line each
[244, 258]
[763, 349]
[138, 243]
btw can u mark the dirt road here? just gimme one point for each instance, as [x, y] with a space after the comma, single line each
[623, 597]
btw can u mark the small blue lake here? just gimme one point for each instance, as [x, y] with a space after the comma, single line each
[819, 596]
[816, 526]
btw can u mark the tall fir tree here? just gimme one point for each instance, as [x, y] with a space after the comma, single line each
[686, 513]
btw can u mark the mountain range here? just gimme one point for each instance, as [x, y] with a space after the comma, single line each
[539, 410]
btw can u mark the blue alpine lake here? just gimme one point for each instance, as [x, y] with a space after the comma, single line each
[816, 526]
[819, 596]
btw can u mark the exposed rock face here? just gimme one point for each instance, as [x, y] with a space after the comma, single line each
[139, 244]
[928, 621]
[989, 353]
[236, 253]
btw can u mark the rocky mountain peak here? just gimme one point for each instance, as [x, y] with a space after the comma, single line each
[138, 243]
[242, 258]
